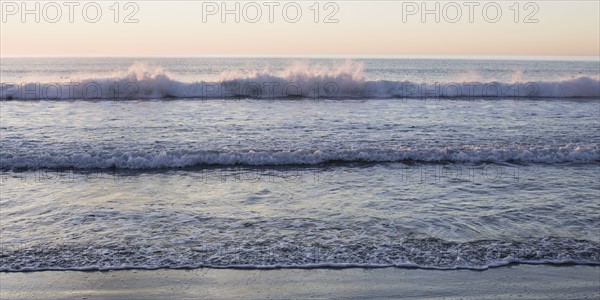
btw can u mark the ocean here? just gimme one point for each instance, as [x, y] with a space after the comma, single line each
[145, 163]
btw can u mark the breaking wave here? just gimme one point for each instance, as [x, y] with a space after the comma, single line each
[305, 82]
[255, 157]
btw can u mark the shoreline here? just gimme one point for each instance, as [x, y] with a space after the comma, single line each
[508, 282]
[325, 266]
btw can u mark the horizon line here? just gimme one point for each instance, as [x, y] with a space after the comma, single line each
[369, 56]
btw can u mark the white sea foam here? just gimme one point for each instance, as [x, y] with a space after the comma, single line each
[176, 159]
[346, 81]
[423, 254]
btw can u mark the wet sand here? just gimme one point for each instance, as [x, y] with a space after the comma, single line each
[514, 282]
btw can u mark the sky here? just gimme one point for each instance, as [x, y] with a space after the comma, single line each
[296, 28]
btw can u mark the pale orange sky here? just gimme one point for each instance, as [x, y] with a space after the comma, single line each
[176, 28]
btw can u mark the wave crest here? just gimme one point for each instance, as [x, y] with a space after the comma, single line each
[270, 157]
[346, 81]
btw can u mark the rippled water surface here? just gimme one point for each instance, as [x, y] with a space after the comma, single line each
[300, 182]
